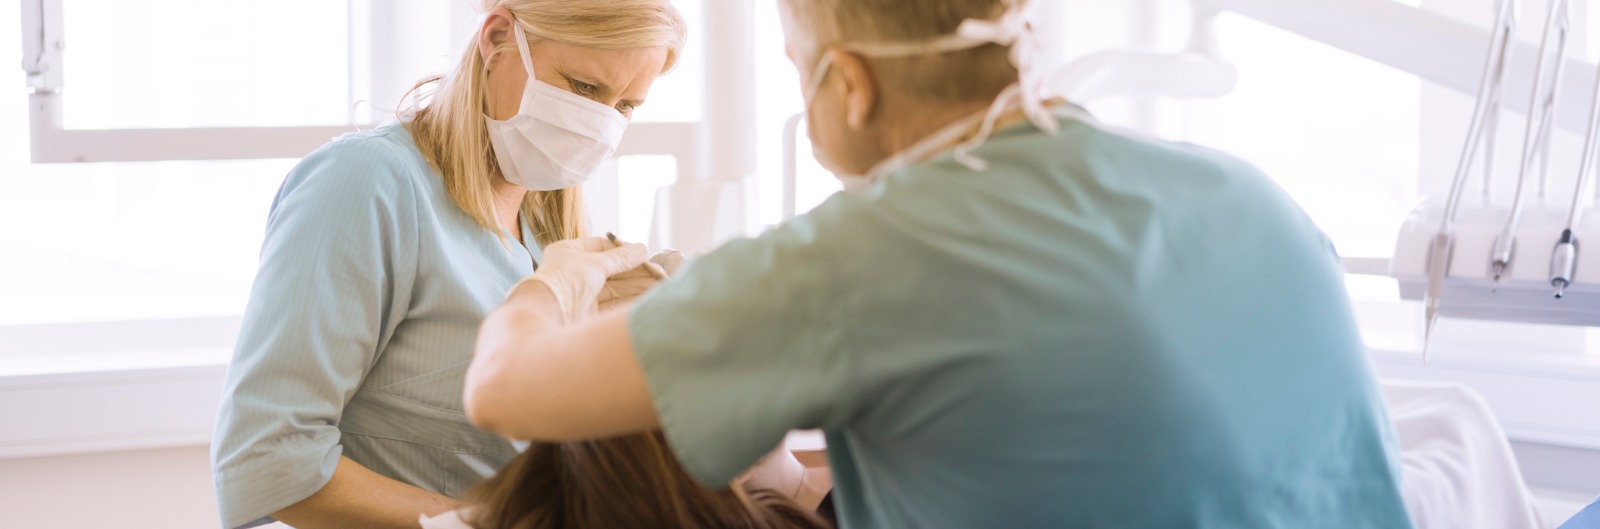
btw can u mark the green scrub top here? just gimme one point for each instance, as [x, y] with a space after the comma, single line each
[1101, 330]
[359, 332]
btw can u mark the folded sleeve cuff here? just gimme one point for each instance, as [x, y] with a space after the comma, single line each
[251, 490]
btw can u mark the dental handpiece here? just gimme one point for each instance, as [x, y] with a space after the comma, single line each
[1564, 259]
[1564, 263]
[1484, 114]
[1541, 118]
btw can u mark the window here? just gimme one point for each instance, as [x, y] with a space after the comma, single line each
[778, 82]
[1339, 133]
[144, 231]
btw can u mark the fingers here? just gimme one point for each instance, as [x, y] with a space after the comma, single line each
[622, 259]
[626, 288]
[590, 244]
[669, 261]
[655, 270]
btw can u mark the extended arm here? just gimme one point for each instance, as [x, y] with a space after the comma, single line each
[532, 378]
[358, 497]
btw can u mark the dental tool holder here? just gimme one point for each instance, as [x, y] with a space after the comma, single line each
[1524, 293]
[1523, 262]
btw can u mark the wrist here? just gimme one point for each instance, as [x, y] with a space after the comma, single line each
[538, 295]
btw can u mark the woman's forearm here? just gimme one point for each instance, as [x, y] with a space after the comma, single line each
[358, 497]
[529, 311]
[534, 378]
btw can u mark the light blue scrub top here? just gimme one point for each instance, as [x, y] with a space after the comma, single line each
[359, 330]
[1099, 331]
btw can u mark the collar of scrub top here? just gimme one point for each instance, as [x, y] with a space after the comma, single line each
[1483, 115]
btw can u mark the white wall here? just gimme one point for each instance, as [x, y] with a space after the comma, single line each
[154, 489]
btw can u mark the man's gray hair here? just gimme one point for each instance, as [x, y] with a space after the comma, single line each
[978, 74]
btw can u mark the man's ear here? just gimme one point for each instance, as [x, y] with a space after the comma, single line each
[861, 88]
[496, 32]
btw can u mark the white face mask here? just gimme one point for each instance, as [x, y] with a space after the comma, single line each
[558, 139]
[1011, 29]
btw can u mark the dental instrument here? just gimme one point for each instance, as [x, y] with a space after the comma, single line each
[1488, 98]
[1536, 146]
[1564, 262]
[654, 271]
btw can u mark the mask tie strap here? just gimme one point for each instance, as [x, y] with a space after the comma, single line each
[1011, 29]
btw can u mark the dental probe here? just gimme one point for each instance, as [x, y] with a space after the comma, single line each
[655, 271]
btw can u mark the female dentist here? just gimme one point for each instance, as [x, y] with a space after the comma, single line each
[385, 250]
[1018, 318]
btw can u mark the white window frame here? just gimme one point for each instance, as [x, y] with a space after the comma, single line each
[43, 43]
[44, 40]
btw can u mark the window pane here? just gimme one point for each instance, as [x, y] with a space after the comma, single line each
[195, 63]
[777, 98]
[122, 241]
[679, 96]
[107, 242]
[641, 178]
[1341, 134]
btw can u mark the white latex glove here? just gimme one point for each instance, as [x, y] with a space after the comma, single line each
[626, 288]
[670, 261]
[576, 271]
[782, 473]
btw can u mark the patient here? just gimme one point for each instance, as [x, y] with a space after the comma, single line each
[625, 482]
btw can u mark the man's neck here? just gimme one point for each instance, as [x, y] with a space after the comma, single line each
[922, 120]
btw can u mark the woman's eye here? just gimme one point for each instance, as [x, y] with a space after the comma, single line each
[626, 108]
[584, 89]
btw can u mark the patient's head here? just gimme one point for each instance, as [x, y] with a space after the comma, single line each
[625, 482]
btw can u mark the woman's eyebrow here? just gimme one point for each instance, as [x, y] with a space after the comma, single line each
[586, 78]
[599, 86]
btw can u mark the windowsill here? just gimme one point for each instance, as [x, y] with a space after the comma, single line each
[56, 350]
[104, 387]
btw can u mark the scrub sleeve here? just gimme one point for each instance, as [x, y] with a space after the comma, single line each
[747, 343]
[336, 274]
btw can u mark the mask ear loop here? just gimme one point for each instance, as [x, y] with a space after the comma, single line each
[1011, 29]
[522, 47]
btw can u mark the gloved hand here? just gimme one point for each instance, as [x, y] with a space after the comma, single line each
[576, 271]
[670, 261]
[782, 473]
[623, 289]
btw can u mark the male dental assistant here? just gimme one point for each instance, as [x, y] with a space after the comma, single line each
[1018, 318]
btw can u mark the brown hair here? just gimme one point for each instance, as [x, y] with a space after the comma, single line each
[625, 482]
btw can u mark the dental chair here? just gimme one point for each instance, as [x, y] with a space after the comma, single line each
[1459, 471]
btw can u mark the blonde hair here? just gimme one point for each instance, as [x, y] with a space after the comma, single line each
[448, 121]
[962, 76]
